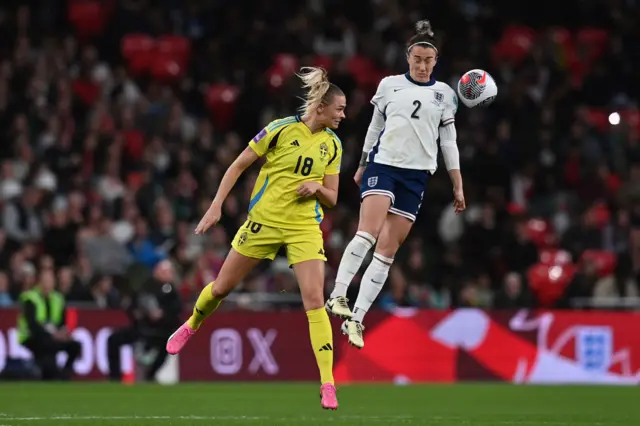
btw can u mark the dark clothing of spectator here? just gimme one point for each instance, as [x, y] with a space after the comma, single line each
[155, 314]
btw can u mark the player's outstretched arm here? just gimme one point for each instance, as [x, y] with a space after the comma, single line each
[239, 165]
[213, 214]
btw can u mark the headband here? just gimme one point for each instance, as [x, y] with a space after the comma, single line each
[423, 42]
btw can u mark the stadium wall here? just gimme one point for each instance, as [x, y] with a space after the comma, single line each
[407, 346]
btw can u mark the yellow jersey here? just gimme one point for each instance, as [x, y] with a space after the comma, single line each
[294, 155]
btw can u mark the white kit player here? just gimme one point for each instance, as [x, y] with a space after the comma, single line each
[400, 152]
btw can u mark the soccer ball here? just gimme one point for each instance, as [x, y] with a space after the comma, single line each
[477, 87]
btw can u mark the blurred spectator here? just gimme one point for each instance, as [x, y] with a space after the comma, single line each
[5, 297]
[103, 293]
[142, 247]
[513, 293]
[42, 328]
[155, 313]
[105, 254]
[20, 220]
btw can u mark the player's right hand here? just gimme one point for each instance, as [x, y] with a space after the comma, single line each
[357, 178]
[210, 218]
[458, 200]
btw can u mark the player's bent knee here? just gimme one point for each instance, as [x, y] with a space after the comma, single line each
[388, 250]
[366, 239]
[388, 245]
[372, 228]
[312, 293]
[374, 232]
[311, 302]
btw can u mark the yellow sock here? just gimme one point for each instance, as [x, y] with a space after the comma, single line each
[322, 342]
[204, 306]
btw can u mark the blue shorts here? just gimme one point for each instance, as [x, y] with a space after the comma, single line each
[405, 187]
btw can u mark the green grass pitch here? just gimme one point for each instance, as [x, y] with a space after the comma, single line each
[77, 404]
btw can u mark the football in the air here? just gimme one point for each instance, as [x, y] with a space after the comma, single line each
[477, 87]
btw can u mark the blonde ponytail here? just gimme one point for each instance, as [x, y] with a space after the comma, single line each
[316, 82]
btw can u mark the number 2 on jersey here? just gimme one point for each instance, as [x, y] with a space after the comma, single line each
[307, 164]
[414, 114]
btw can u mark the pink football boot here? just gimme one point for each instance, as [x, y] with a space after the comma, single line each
[328, 398]
[180, 338]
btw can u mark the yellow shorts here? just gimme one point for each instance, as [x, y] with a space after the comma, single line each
[263, 242]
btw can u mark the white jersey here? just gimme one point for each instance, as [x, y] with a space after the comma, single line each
[413, 113]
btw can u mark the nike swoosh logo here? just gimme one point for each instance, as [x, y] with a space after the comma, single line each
[356, 255]
[483, 79]
[377, 282]
[395, 90]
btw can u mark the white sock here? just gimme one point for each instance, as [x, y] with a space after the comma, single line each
[351, 261]
[371, 285]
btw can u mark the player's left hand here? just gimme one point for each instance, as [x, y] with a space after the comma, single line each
[308, 189]
[458, 200]
[210, 218]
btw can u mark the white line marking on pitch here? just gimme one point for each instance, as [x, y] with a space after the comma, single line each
[6, 417]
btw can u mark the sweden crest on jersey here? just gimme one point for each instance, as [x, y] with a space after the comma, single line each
[324, 150]
[242, 239]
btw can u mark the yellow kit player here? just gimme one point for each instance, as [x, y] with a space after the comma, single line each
[299, 177]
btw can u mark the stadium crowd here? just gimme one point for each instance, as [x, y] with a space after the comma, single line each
[111, 151]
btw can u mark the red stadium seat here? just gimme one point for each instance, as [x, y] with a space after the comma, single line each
[138, 50]
[134, 180]
[596, 37]
[554, 257]
[631, 117]
[605, 262]
[549, 282]
[87, 17]
[600, 213]
[286, 63]
[591, 44]
[322, 61]
[275, 78]
[597, 118]
[86, 90]
[540, 232]
[566, 52]
[221, 100]
[175, 47]
[515, 43]
[166, 69]
[364, 71]
[133, 45]
[134, 144]
[515, 209]
[561, 36]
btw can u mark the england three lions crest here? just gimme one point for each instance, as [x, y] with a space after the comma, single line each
[372, 181]
[438, 98]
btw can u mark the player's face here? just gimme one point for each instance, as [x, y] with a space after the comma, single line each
[421, 62]
[332, 114]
